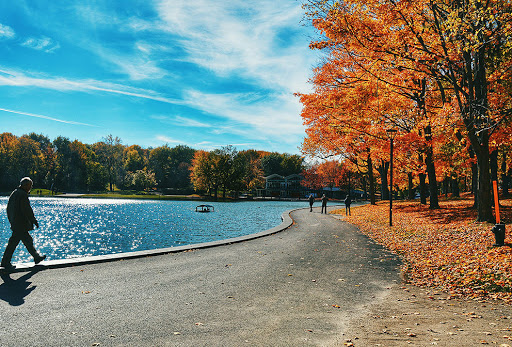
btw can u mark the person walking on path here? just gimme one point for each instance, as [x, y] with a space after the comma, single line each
[22, 220]
[311, 201]
[324, 204]
[348, 201]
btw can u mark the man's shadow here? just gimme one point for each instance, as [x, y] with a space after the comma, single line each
[14, 291]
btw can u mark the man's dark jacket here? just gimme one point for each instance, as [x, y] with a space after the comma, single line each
[20, 213]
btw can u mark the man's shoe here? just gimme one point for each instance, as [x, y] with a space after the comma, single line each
[39, 259]
[8, 266]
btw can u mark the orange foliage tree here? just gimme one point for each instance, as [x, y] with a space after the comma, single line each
[326, 174]
[438, 65]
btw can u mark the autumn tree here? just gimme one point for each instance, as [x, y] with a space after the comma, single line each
[202, 172]
[253, 176]
[110, 154]
[180, 162]
[228, 169]
[19, 157]
[281, 164]
[450, 57]
[135, 158]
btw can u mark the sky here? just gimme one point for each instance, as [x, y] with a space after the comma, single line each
[201, 73]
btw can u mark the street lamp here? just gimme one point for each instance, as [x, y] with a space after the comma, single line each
[391, 133]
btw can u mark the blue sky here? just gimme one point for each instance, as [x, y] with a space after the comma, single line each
[201, 73]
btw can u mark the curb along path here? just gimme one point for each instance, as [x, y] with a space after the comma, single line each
[298, 287]
[60, 263]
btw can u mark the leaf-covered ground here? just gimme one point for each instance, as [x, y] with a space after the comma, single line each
[444, 248]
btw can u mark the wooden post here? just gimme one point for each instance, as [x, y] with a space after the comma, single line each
[496, 202]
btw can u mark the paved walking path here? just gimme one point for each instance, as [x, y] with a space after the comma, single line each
[299, 287]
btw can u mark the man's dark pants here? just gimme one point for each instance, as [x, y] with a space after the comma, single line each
[14, 240]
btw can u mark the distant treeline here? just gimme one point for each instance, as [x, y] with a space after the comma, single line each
[74, 166]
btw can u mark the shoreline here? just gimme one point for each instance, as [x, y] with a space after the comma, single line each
[167, 197]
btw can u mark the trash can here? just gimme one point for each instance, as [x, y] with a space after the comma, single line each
[499, 234]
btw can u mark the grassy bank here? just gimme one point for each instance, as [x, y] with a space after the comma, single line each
[142, 196]
[445, 248]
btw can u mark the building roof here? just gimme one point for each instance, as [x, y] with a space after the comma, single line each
[273, 176]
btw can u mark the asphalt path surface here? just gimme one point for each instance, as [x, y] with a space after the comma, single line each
[299, 287]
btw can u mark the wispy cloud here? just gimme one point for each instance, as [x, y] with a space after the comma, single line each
[45, 44]
[45, 117]
[270, 117]
[135, 61]
[188, 122]
[165, 139]
[180, 121]
[238, 37]
[6, 32]
[17, 79]
[228, 69]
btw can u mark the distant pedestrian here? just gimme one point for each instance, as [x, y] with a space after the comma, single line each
[311, 201]
[324, 204]
[348, 201]
[22, 220]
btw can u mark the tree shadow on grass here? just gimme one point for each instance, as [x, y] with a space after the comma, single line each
[14, 291]
[447, 214]
[454, 211]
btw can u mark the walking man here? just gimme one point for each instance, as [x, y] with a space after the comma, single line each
[324, 204]
[311, 201]
[348, 201]
[22, 220]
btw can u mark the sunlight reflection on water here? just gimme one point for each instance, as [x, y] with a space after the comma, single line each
[71, 228]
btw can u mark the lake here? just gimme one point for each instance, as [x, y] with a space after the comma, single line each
[71, 228]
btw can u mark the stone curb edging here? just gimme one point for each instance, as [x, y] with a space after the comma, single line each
[286, 222]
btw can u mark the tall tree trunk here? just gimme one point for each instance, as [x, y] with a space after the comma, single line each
[493, 161]
[474, 184]
[476, 120]
[365, 187]
[505, 181]
[480, 144]
[508, 179]
[411, 187]
[423, 188]
[455, 186]
[484, 188]
[432, 180]
[371, 180]
[493, 157]
[474, 178]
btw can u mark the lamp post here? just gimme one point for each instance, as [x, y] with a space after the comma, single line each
[391, 133]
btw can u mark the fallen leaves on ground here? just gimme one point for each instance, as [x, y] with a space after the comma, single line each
[445, 248]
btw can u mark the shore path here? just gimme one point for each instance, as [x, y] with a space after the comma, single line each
[299, 287]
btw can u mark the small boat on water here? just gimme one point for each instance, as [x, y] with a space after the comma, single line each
[204, 208]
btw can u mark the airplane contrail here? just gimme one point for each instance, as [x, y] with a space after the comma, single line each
[46, 117]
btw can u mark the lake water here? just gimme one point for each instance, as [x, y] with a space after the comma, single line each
[71, 228]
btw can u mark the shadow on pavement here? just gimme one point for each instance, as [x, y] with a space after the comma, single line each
[14, 291]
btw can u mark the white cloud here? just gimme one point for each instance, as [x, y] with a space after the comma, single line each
[6, 32]
[188, 122]
[134, 61]
[45, 44]
[273, 117]
[181, 121]
[165, 139]
[18, 79]
[216, 36]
